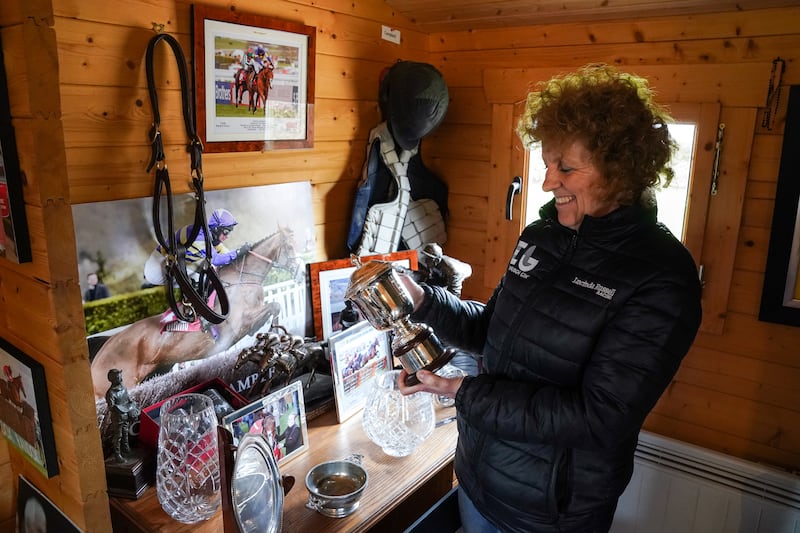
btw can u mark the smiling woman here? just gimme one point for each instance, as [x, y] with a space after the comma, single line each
[597, 308]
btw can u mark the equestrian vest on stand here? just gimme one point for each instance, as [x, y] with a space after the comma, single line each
[414, 221]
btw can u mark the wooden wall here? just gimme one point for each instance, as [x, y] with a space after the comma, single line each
[81, 115]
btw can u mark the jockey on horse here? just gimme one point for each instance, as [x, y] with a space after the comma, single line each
[221, 223]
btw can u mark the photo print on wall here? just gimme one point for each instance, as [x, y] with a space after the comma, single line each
[266, 235]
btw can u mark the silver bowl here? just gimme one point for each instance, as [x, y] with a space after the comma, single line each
[335, 487]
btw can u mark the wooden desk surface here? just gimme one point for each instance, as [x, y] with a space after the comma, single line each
[391, 481]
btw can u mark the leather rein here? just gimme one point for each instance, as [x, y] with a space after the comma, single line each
[193, 299]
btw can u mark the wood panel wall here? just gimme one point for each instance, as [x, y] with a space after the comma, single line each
[738, 389]
[81, 115]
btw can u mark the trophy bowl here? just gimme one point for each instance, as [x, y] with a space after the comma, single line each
[376, 289]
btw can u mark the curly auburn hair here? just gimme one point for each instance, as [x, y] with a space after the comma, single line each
[614, 115]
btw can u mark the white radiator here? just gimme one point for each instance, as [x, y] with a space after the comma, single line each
[681, 488]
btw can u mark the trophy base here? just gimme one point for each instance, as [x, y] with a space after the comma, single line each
[421, 350]
[130, 478]
[433, 366]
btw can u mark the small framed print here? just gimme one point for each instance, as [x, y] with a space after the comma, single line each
[35, 512]
[25, 409]
[329, 281]
[279, 416]
[358, 354]
[254, 78]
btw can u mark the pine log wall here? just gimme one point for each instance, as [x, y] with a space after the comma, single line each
[81, 114]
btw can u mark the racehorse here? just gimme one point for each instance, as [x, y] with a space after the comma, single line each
[240, 84]
[260, 86]
[142, 349]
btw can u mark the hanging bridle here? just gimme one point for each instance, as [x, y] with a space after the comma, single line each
[193, 299]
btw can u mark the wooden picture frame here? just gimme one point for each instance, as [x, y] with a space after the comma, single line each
[329, 280]
[15, 244]
[282, 405]
[286, 118]
[36, 512]
[358, 354]
[780, 297]
[25, 419]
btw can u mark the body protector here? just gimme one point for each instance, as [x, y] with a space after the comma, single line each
[399, 203]
[380, 227]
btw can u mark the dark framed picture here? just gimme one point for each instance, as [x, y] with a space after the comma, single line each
[780, 298]
[35, 512]
[280, 417]
[15, 242]
[358, 354]
[254, 81]
[329, 281]
[25, 410]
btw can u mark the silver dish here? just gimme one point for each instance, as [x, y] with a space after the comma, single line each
[335, 487]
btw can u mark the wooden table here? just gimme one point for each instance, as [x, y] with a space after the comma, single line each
[399, 489]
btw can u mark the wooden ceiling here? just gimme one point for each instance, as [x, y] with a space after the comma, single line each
[435, 16]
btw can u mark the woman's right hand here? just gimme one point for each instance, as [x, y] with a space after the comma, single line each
[430, 382]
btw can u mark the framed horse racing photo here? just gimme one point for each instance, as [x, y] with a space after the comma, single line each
[280, 417]
[254, 81]
[358, 354]
[329, 280]
[25, 409]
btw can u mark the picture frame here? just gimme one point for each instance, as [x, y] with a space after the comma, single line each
[268, 415]
[281, 114]
[780, 297]
[329, 280]
[25, 418]
[358, 354]
[36, 512]
[15, 244]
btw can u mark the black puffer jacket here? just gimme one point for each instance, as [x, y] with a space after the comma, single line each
[579, 341]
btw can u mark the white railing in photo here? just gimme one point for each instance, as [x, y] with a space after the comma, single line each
[292, 298]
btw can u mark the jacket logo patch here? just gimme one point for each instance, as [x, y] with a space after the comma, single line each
[521, 265]
[600, 290]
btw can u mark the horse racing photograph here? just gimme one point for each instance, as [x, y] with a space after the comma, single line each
[256, 82]
[262, 239]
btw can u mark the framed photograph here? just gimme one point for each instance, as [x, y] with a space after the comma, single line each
[15, 243]
[780, 298]
[358, 354]
[329, 280]
[279, 416]
[25, 410]
[254, 81]
[36, 512]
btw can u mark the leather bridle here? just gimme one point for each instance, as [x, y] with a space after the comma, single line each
[193, 299]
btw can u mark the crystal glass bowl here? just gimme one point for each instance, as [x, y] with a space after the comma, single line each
[397, 423]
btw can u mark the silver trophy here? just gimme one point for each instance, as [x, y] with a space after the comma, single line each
[375, 288]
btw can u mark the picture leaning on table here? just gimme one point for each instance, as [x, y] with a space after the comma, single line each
[588, 325]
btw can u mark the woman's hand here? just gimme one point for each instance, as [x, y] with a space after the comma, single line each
[430, 382]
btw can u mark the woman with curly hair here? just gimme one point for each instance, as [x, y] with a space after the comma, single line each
[597, 308]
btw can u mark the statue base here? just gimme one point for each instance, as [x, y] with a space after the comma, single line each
[129, 479]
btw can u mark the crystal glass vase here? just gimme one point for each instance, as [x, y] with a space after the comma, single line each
[397, 423]
[187, 469]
